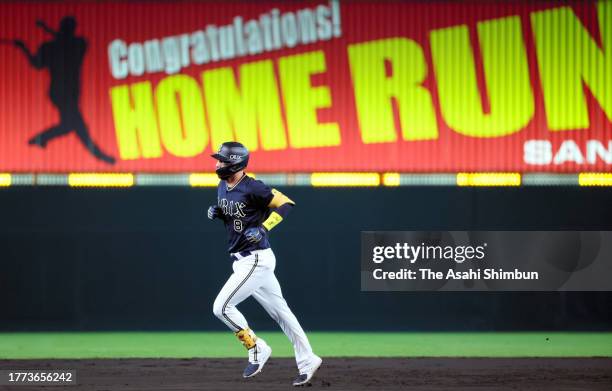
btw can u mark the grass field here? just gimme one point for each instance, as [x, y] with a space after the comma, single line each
[327, 344]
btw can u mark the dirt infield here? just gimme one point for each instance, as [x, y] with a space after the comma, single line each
[335, 374]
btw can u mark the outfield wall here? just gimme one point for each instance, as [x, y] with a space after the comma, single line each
[147, 258]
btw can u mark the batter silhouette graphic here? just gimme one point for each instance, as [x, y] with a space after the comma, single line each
[63, 57]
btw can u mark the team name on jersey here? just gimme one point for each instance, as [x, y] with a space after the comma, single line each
[232, 208]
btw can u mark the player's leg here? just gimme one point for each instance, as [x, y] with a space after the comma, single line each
[247, 277]
[270, 296]
[236, 289]
[42, 138]
[64, 127]
[83, 133]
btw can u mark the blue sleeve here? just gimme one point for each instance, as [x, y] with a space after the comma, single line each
[284, 209]
[223, 216]
[261, 194]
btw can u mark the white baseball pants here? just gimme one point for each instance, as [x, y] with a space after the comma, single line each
[254, 276]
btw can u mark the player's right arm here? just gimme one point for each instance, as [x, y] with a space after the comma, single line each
[214, 212]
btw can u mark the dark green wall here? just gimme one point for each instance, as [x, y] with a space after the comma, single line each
[147, 258]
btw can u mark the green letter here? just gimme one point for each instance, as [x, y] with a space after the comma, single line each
[302, 101]
[242, 110]
[135, 123]
[374, 90]
[569, 56]
[506, 74]
[181, 115]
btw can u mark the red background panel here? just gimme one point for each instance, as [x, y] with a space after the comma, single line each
[25, 109]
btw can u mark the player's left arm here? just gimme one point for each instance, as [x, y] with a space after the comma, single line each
[280, 205]
[267, 198]
[36, 60]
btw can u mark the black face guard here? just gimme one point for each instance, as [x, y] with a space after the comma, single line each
[226, 172]
[236, 157]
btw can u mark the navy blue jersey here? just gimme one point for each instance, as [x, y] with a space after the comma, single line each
[244, 206]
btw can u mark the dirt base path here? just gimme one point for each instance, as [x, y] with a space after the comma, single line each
[336, 374]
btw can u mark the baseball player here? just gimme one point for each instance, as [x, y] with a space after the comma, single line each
[250, 209]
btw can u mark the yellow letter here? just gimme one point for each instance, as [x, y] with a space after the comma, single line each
[302, 100]
[183, 130]
[506, 73]
[135, 124]
[374, 90]
[239, 111]
[569, 56]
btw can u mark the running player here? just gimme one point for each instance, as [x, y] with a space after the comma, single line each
[249, 210]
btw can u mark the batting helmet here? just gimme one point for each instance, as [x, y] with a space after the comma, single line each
[233, 153]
